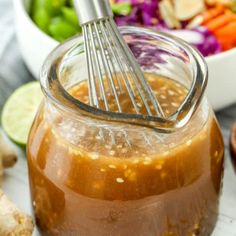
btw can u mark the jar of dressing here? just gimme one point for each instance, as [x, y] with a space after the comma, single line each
[94, 177]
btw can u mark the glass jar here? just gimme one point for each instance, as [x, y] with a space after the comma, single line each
[94, 177]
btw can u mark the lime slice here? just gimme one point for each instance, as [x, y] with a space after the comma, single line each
[19, 111]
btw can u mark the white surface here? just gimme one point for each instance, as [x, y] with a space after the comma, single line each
[35, 45]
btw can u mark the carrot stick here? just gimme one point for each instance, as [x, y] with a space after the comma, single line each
[228, 31]
[226, 44]
[212, 13]
[227, 36]
[220, 21]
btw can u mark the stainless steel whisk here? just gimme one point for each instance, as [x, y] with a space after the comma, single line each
[108, 56]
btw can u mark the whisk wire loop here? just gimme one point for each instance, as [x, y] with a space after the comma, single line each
[107, 68]
[127, 76]
[106, 41]
[135, 68]
[105, 47]
[90, 75]
[99, 70]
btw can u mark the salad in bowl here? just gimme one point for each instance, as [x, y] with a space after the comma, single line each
[208, 25]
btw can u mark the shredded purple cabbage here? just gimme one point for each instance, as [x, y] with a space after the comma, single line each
[200, 37]
[210, 45]
[146, 13]
[143, 13]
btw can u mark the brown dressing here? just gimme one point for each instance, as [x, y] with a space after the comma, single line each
[82, 185]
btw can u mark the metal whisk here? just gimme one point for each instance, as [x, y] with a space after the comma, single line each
[110, 61]
[105, 48]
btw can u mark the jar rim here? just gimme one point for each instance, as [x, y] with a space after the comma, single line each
[62, 99]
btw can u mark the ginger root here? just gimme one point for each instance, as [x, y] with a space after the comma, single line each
[12, 221]
[8, 156]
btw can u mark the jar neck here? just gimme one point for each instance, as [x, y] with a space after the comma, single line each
[191, 65]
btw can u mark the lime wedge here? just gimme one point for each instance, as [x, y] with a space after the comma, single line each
[19, 111]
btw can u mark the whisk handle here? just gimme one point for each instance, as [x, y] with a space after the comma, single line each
[92, 10]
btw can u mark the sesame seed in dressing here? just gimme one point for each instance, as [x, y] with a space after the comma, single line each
[59, 172]
[174, 104]
[166, 153]
[112, 166]
[171, 92]
[120, 180]
[139, 104]
[189, 142]
[147, 161]
[163, 97]
[124, 150]
[180, 92]
[163, 87]
[165, 105]
[112, 152]
[152, 79]
[167, 111]
[94, 156]
[136, 161]
[108, 146]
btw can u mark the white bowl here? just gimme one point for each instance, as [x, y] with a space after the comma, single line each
[35, 45]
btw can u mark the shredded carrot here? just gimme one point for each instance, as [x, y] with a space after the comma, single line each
[221, 21]
[212, 13]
